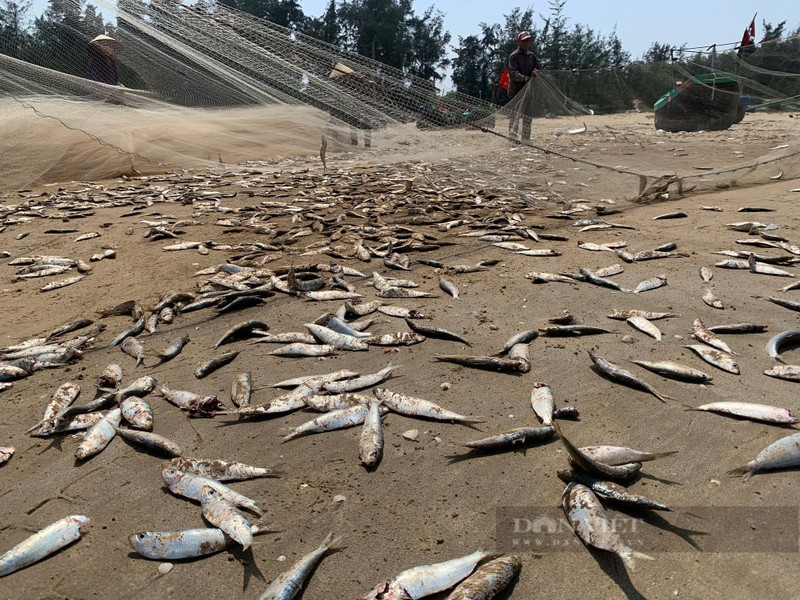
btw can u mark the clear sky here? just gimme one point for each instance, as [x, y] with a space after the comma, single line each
[638, 23]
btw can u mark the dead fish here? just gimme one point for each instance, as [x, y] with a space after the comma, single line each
[651, 284]
[706, 274]
[714, 302]
[739, 328]
[221, 512]
[301, 349]
[521, 436]
[370, 447]
[99, 435]
[715, 357]
[66, 425]
[426, 580]
[671, 215]
[189, 485]
[288, 584]
[43, 543]
[565, 318]
[537, 277]
[656, 254]
[62, 283]
[754, 412]
[787, 372]
[609, 247]
[324, 378]
[765, 269]
[331, 421]
[151, 441]
[702, 333]
[792, 286]
[624, 315]
[600, 281]
[674, 371]
[609, 271]
[592, 525]
[358, 383]
[417, 407]
[133, 348]
[335, 339]
[488, 580]
[173, 349]
[287, 337]
[401, 312]
[785, 303]
[595, 467]
[645, 326]
[87, 236]
[542, 402]
[523, 337]
[241, 390]
[448, 287]
[783, 454]
[398, 292]
[137, 328]
[492, 363]
[732, 264]
[215, 363]
[570, 330]
[608, 490]
[241, 331]
[539, 252]
[785, 337]
[620, 455]
[336, 401]
[178, 545]
[220, 470]
[6, 452]
[618, 374]
[325, 295]
[435, 332]
[69, 327]
[400, 338]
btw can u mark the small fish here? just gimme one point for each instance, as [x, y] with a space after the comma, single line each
[765, 269]
[651, 284]
[523, 337]
[178, 545]
[537, 277]
[754, 412]
[400, 312]
[191, 486]
[370, 447]
[712, 301]
[66, 425]
[618, 374]
[787, 372]
[785, 303]
[335, 339]
[608, 490]
[542, 402]
[221, 512]
[241, 331]
[324, 295]
[609, 271]
[540, 252]
[592, 466]
[325, 378]
[151, 441]
[600, 281]
[609, 247]
[592, 525]
[521, 436]
[358, 383]
[69, 327]
[791, 336]
[174, 349]
[492, 363]
[706, 274]
[99, 435]
[624, 315]
[435, 332]
[287, 337]
[336, 401]
[417, 407]
[215, 363]
[300, 349]
[702, 333]
[645, 326]
[220, 470]
[570, 330]
[739, 328]
[288, 584]
[42, 544]
[783, 454]
[133, 348]
[62, 283]
[331, 421]
[674, 371]
[241, 389]
[400, 338]
[137, 412]
[426, 580]
[449, 288]
[137, 328]
[620, 455]
[715, 357]
[671, 215]
[488, 580]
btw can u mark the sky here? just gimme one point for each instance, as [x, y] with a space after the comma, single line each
[638, 24]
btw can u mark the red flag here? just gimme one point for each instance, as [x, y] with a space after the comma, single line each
[505, 79]
[749, 38]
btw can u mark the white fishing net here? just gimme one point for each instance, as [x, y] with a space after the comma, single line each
[208, 86]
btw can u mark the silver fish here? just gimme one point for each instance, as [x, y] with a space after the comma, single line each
[592, 466]
[735, 328]
[620, 455]
[706, 274]
[623, 315]
[715, 357]
[400, 338]
[300, 349]
[600, 281]
[608, 490]
[215, 363]
[241, 389]
[358, 383]
[711, 300]
[702, 333]
[66, 425]
[787, 372]
[426, 580]
[325, 378]
[754, 412]
[609, 271]
[6, 452]
[241, 330]
[370, 447]
[335, 339]
[111, 377]
[520, 435]
[191, 486]
[542, 402]
[790, 304]
[137, 328]
[488, 580]
[591, 524]
[133, 348]
[651, 284]
[674, 371]
[288, 584]
[221, 470]
[221, 512]
[151, 441]
[645, 326]
[137, 412]
[619, 374]
[178, 545]
[417, 407]
[99, 435]
[523, 337]
[783, 454]
[785, 337]
[331, 421]
[174, 349]
[61, 283]
[449, 288]
[336, 401]
[43, 543]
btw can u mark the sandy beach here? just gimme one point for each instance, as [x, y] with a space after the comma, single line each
[430, 499]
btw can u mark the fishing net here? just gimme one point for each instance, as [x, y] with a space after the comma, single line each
[208, 86]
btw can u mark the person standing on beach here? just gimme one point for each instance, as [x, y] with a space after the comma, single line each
[523, 65]
[100, 63]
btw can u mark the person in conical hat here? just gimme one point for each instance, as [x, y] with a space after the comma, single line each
[100, 63]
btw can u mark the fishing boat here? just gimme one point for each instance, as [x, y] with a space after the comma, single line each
[703, 102]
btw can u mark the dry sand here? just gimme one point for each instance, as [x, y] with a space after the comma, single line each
[418, 507]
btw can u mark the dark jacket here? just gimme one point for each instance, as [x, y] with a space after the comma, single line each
[100, 67]
[520, 65]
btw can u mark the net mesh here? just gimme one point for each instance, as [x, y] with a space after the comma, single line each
[206, 85]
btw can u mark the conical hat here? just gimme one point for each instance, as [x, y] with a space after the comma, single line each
[107, 44]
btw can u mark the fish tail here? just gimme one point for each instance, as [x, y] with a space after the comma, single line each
[330, 541]
[629, 555]
[654, 455]
[471, 420]
[744, 471]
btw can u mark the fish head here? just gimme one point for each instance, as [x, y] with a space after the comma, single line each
[81, 521]
[141, 540]
[210, 493]
[387, 590]
[171, 476]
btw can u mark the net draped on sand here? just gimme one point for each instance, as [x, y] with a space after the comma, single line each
[218, 87]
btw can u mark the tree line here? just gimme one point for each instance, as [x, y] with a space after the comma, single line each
[591, 68]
